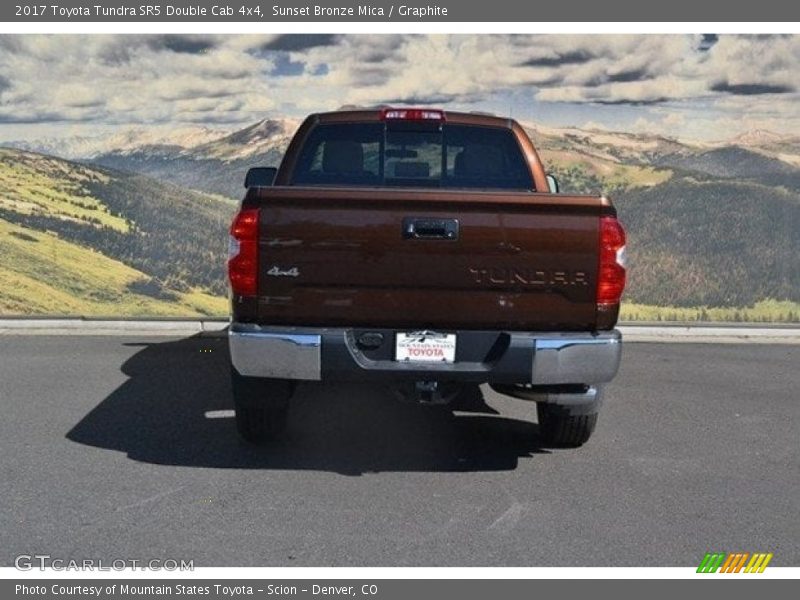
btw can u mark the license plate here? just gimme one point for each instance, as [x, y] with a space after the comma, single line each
[425, 346]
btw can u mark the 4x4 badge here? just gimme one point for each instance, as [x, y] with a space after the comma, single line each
[277, 272]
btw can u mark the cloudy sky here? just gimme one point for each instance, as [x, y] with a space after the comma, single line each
[688, 86]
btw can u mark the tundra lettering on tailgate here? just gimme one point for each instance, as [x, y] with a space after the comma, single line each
[528, 276]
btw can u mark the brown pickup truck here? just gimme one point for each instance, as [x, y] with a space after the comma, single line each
[430, 250]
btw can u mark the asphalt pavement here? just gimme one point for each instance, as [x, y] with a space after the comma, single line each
[124, 447]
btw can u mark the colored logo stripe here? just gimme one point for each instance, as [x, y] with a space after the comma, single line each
[711, 562]
[733, 562]
[758, 563]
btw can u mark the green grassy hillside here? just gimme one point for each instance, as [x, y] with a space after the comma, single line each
[35, 184]
[88, 240]
[42, 274]
[764, 311]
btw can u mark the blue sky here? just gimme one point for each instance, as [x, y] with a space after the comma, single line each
[687, 86]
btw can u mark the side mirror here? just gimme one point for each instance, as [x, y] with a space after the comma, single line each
[260, 177]
[552, 184]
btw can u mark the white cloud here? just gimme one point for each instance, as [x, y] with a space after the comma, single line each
[237, 79]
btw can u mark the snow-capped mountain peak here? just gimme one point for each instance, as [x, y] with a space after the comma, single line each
[758, 137]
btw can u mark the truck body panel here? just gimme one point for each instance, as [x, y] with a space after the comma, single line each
[335, 257]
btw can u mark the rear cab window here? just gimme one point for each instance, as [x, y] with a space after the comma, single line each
[412, 154]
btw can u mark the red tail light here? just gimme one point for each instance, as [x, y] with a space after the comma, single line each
[611, 275]
[243, 253]
[412, 114]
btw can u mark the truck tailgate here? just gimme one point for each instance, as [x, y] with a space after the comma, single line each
[476, 260]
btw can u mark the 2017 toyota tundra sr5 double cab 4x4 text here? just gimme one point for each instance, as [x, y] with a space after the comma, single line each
[429, 250]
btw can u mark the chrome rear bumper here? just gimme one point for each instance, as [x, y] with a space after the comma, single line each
[539, 358]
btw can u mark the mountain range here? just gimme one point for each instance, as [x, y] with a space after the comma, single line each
[710, 224]
[217, 165]
[215, 161]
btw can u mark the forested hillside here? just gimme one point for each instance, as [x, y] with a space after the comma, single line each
[174, 238]
[711, 242]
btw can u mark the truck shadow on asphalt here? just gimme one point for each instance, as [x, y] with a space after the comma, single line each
[176, 409]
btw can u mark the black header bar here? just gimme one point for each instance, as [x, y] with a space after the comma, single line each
[256, 11]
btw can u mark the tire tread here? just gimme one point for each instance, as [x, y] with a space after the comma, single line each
[560, 427]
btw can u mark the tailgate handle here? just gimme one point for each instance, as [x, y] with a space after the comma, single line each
[426, 228]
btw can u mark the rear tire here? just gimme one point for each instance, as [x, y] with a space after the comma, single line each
[262, 406]
[560, 426]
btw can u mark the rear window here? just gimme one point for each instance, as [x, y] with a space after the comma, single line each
[412, 154]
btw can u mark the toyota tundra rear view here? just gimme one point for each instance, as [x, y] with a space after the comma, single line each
[428, 250]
